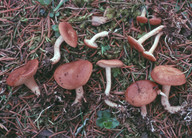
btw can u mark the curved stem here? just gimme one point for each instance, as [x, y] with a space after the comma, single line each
[108, 81]
[156, 41]
[143, 111]
[151, 33]
[57, 53]
[79, 95]
[165, 101]
[32, 85]
[101, 34]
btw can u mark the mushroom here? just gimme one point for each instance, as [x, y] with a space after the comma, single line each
[168, 76]
[108, 64]
[141, 93]
[155, 20]
[142, 18]
[74, 75]
[91, 42]
[25, 75]
[69, 35]
[149, 54]
[137, 44]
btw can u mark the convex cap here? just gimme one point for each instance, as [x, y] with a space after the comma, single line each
[74, 74]
[68, 33]
[110, 63]
[141, 93]
[168, 75]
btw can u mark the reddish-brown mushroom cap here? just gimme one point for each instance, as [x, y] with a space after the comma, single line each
[68, 33]
[168, 75]
[142, 19]
[21, 74]
[149, 56]
[74, 74]
[134, 43]
[141, 93]
[110, 63]
[155, 21]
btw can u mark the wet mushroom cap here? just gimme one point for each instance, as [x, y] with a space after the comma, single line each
[141, 93]
[74, 74]
[155, 21]
[142, 19]
[68, 33]
[134, 43]
[168, 75]
[19, 75]
[149, 56]
[110, 63]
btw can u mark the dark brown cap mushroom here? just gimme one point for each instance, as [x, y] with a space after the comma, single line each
[141, 93]
[168, 76]
[69, 35]
[137, 44]
[74, 75]
[25, 75]
[108, 64]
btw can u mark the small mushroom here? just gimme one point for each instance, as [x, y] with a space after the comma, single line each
[137, 44]
[74, 75]
[91, 42]
[69, 35]
[142, 18]
[108, 64]
[155, 20]
[141, 93]
[149, 54]
[168, 76]
[25, 75]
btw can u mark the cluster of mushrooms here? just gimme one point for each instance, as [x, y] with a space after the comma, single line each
[75, 74]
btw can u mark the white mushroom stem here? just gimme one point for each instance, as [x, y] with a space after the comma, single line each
[143, 13]
[108, 81]
[57, 54]
[96, 36]
[114, 105]
[79, 95]
[149, 34]
[108, 88]
[32, 85]
[155, 44]
[165, 100]
[143, 111]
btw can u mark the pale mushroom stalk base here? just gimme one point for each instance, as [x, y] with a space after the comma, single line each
[79, 95]
[143, 13]
[108, 80]
[32, 85]
[143, 111]
[114, 105]
[108, 88]
[57, 54]
[165, 101]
